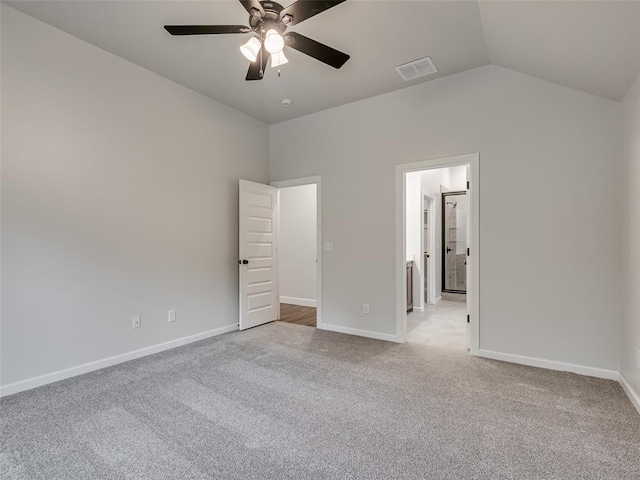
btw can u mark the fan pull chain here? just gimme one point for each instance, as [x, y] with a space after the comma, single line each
[261, 48]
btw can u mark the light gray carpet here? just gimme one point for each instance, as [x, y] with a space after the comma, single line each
[284, 401]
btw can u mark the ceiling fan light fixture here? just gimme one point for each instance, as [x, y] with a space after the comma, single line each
[278, 59]
[273, 42]
[251, 49]
[268, 22]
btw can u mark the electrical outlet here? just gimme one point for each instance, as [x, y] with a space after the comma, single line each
[328, 246]
[365, 308]
[172, 316]
[136, 321]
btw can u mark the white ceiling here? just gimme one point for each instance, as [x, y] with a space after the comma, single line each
[589, 46]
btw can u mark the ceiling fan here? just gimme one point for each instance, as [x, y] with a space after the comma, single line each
[268, 22]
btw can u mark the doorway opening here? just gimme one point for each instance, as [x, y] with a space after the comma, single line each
[298, 263]
[437, 231]
[454, 243]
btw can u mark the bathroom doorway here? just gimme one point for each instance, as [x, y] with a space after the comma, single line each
[438, 212]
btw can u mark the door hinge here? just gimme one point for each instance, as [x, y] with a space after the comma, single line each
[468, 251]
[468, 318]
[468, 184]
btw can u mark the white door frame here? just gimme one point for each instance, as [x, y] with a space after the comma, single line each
[314, 180]
[473, 280]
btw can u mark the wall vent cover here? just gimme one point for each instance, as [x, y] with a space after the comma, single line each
[416, 69]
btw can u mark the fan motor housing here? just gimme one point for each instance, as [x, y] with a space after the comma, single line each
[270, 19]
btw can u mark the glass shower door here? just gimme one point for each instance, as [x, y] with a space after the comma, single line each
[454, 242]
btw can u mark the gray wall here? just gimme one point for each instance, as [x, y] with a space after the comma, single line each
[119, 198]
[630, 252]
[549, 209]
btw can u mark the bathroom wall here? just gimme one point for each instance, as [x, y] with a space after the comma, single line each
[432, 181]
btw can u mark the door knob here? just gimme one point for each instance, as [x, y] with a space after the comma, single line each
[243, 262]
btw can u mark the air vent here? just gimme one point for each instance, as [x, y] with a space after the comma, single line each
[416, 69]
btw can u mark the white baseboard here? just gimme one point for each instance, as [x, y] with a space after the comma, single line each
[41, 380]
[303, 302]
[360, 333]
[631, 393]
[437, 300]
[549, 364]
[419, 309]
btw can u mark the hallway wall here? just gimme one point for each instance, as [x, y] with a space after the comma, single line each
[297, 249]
[630, 252]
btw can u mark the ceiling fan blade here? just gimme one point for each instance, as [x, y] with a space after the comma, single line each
[253, 7]
[317, 50]
[303, 9]
[205, 29]
[254, 67]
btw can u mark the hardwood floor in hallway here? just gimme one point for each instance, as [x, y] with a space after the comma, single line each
[298, 314]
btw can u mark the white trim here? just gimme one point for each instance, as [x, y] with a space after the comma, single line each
[631, 393]
[317, 180]
[295, 182]
[303, 302]
[437, 300]
[550, 364]
[418, 309]
[41, 380]
[473, 280]
[360, 333]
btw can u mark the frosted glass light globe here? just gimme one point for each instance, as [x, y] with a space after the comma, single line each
[273, 42]
[278, 59]
[250, 49]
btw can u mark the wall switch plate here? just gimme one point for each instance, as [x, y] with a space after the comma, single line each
[365, 308]
[136, 321]
[328, 246]
[172, 316]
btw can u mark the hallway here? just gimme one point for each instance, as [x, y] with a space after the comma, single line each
[443, 325]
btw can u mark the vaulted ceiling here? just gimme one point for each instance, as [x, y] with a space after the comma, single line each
[589, 46]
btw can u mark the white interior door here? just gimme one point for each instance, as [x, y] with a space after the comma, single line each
[258, 254]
